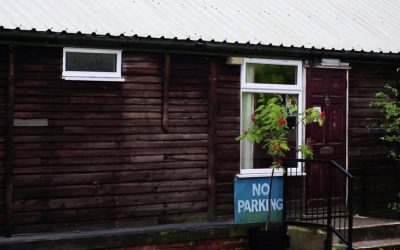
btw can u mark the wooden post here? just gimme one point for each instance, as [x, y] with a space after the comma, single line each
[212, 106]
[9, 144]
[166, 80]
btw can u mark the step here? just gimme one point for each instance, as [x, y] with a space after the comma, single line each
[366, 229]
[381, 244]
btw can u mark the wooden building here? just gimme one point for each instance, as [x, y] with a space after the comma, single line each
[116, 133]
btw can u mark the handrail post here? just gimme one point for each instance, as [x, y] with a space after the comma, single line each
[284, 224]
[329, 200]
[350, 206]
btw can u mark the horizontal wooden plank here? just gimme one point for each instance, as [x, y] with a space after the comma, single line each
[229, 165]
[191, 101]
[188, 115]
[365, 121]
[226, 176]
[108, 201]
[175, 108]
[70, 168]
[111, 145]
[86, 225]
[40, 67]
[225, 187]
[141, 57]
[187, 94]
[153, 64]
[82, 85]
[136, 122]
[107, 130]
[87, 115]
[38, 75]
[108, 138]
[109, 152]
[53, 192]
[109, 160]
[108, 177]
[225, 198]
[228, 147]
[365, 140]
[128, 70]
[89, 108]
[107, 213]
[371, 151]
[85, 92]
[366, 112]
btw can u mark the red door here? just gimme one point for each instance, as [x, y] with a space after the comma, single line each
[326, 89]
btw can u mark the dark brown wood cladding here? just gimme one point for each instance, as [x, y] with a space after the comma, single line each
[376, 177]
[9, 143]
[104, 159]
[3, 83]
[227, 129]
[212, 105]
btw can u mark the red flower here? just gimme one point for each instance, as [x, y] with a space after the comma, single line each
[282, 121]
[253, 117]
[276, 147]
[322, 114]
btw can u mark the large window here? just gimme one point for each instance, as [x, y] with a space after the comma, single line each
[91, 64]
[265, 77]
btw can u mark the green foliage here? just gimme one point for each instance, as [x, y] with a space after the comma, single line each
[395, 206]
[270, 127]
[390, 104]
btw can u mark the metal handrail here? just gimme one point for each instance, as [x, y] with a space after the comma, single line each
[325, 219]
[344, 171]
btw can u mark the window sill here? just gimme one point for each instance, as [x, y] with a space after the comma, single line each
[268, 174]
[99, 79]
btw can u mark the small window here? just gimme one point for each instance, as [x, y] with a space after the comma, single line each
[271, 74]
[91, 64]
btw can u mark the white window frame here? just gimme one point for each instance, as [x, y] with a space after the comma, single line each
[92, 75]
[296, 89]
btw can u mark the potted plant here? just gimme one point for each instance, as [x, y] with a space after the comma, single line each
[270, 129]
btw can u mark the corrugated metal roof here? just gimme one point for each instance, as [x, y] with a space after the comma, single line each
[360, 25]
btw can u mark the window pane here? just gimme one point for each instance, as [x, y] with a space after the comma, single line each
[254, 155]
[247, 147]
[271, 74]
[94, 62]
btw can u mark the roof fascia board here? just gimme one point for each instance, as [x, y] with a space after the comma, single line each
[187, 46]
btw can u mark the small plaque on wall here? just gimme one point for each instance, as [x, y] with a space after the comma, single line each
[31, 123]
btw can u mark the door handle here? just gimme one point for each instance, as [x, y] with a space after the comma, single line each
[327, 100]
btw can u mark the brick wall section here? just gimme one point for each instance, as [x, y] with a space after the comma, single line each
[219, 244]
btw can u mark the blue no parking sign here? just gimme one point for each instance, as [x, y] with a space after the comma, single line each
[252, 199]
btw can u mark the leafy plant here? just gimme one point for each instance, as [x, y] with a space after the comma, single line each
[395, 206]
[270, 129]
[391, 108]
[390, 104]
